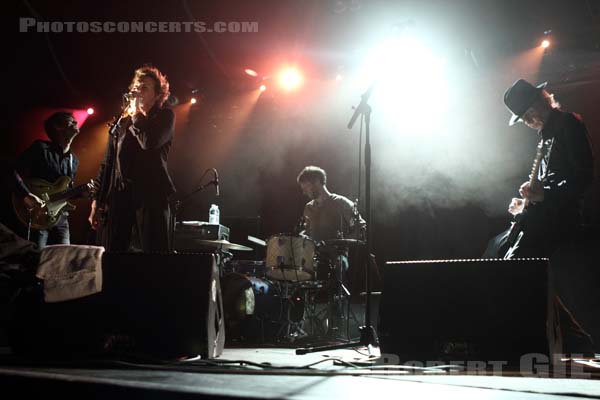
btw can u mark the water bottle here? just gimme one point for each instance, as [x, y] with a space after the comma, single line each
[213, 215]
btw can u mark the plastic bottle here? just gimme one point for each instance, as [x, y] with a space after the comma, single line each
[213, 215]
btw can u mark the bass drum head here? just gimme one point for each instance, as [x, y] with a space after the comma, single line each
[252, 308]
[290, 258]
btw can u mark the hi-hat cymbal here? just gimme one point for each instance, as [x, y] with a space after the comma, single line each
[343, 242]
[223, 244]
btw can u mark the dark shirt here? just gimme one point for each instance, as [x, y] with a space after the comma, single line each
[45, 160]
[143, 150]
[568, 167]
[332, 218]
[566, 171]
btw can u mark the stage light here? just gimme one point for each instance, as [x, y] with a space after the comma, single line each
[290, 78]
[545, 43]
[338, 77]
[410, 85]
[250, 72]
[262, 88]
[193, 100]
[90, 111]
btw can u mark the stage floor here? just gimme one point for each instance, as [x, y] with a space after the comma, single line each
[278, 373]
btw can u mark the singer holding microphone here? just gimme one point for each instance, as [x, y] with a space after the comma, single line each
[136, 213]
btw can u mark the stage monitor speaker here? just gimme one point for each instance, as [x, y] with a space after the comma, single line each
[464, 310]
[155, 305]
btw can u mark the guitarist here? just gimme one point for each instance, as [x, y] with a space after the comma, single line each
[49, 160]
[550, 206]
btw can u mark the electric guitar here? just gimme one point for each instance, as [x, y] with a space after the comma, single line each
[55, 196]
[517, 230]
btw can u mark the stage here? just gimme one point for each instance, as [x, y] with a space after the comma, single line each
[278, 373]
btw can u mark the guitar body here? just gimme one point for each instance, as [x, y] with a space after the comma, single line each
[56, 203]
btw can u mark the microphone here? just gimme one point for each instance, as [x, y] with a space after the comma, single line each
[131, 95]
[216, 181]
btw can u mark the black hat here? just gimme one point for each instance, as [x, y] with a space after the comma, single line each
[519, 97]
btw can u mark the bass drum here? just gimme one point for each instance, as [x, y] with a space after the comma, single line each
[252, 308]
[290, 258]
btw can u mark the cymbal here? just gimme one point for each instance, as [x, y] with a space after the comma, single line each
[343, 242]
[223, 244]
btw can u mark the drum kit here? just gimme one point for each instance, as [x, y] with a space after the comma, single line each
[297, 292]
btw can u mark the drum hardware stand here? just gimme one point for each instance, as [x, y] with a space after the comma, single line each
[368, 336]
[290, 330]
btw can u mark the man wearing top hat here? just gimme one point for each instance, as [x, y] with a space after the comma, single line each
[553, 215]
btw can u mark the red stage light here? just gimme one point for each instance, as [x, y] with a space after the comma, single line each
[545, 43]
[90, 111]
[251, 72]
[193, 100]
[263, 88]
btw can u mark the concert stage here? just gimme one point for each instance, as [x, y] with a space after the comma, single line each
[278, 373]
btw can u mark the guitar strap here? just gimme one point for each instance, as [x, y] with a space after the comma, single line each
[70, 171]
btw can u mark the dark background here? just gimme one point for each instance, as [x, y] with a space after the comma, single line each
[441, 195]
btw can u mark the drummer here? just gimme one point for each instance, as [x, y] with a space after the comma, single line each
[328, 216]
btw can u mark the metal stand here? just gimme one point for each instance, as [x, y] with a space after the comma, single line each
[368, 336]
[176, 206]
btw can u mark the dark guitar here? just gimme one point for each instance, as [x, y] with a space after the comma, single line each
[55, 196]
[517, 230]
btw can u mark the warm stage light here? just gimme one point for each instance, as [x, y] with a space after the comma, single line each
[262, 88]
[251, 72]
[90, 111]
[193, 100]
[290, 78]
[545, 43]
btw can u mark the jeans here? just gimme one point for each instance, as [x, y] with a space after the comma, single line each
[58, 234]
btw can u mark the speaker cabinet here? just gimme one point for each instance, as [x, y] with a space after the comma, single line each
[461, 310]
[157, 305]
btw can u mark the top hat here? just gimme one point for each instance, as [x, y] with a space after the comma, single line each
[519, 97]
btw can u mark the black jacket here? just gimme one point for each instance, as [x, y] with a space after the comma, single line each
[142, 155]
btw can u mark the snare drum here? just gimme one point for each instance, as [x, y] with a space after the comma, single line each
[290, 258]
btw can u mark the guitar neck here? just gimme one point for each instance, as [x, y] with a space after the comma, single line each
[536, 167]
[76, 191]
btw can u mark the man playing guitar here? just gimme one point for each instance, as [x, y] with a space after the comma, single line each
[548, 212]
[48, 161]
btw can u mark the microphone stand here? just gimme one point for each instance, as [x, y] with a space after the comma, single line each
[176, 204]
[104, 230]
[368, 336]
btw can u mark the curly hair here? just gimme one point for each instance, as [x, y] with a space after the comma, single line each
[161, 85]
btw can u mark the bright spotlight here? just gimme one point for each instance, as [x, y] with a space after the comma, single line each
[545, 43]
[90, 111]
[290, 78]
[262, 88]
[338, 77]
[250, 72]
[411, 89]
[193, 100]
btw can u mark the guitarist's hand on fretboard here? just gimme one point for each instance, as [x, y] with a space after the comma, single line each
[533, 193]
